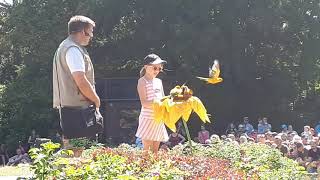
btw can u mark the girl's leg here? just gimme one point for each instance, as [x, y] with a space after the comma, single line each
[155, 146]
[147, 145]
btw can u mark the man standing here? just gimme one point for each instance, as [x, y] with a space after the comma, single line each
[73, 75]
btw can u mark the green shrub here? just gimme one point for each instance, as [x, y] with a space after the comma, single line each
[255, 160]
[268, 163]
[82, 142]
[45, 161]
[220, 160]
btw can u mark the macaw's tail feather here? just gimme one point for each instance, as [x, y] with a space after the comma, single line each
[203, 79]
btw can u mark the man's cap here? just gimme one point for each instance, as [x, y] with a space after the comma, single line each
[153, 59]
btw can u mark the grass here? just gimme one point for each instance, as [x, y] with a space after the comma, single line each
[21, 170]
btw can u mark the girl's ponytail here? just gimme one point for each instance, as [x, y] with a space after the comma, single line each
[142, 71]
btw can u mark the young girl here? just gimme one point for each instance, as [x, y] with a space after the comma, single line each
[150, 89]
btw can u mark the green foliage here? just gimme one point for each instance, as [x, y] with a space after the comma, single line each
[163, 170]
[110, 166]
[87, 153]
[256, 160]
[50, 165]
[45, 160]
[125, 162]
[226, 150]
[82, 142]
[221, 150]
[268, 163]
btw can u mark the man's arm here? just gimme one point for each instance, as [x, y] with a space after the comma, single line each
[76, 65]
[85, 87]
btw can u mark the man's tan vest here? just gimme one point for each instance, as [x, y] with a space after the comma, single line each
[63, 82]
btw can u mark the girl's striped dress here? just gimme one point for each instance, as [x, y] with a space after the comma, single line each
[148, 129]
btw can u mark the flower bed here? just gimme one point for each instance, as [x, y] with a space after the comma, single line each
[219, 161]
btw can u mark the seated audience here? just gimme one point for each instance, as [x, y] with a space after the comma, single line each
[266, 125]
[241, 130]
[314, 152]
[56, 138]
[231, 129]
[247, 126]
[232, 137]
[32, 138]
[284, 149]
[243, 139]
[261, 138]
[261, 127]
[306, 133]
[19, 158]
[214, 138]
[203, 135]
[175, 139]
[284, 128]
[317, 129]
[290, 130]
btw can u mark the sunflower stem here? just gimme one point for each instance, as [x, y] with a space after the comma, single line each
[188, 134]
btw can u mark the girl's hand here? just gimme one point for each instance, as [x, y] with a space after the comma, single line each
[156, 101]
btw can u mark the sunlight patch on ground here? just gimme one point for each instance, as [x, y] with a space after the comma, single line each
[21, 170]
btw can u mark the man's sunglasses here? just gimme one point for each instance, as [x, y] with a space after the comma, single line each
[88, 34]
